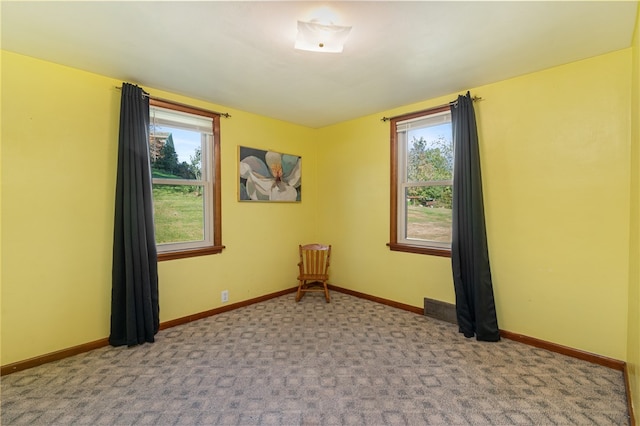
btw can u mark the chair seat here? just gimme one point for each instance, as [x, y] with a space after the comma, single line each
[313, 277]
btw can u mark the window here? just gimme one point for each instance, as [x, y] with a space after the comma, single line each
[184, 147]
[422, 182]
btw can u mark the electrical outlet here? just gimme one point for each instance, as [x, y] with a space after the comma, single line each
[225, 296]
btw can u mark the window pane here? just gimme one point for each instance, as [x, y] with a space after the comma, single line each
[175, 153]
[430, 153]
[178, 213]
[428, 213]
[183, 142]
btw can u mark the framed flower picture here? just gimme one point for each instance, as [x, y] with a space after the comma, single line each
[269, 176]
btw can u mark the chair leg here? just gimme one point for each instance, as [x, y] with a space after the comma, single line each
[299, 294]
[326, 292]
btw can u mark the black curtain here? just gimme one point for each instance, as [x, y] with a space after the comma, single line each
[475, 307]
[134, 297]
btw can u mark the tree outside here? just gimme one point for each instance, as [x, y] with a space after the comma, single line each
[430, 161]
[166, 164]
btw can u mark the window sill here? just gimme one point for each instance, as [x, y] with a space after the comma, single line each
[190, 253]
[431, 251]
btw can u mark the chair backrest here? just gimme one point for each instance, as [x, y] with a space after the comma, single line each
[314, 259]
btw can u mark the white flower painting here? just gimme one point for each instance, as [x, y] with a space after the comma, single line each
[269, 176]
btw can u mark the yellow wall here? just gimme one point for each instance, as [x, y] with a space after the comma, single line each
[0, 211]
[555, 161]
[633, 353]
[555, 158]
[59, 142]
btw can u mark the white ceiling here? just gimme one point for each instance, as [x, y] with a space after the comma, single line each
[240, 54]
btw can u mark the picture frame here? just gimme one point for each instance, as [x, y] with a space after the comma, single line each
[269, 176]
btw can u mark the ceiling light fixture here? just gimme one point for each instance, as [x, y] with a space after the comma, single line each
[319, 37]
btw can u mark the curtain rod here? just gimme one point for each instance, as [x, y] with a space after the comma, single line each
[223, 114]
[475, 98]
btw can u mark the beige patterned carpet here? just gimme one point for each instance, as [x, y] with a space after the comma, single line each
[350, 362]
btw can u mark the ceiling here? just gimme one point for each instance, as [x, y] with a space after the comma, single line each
[240, 54]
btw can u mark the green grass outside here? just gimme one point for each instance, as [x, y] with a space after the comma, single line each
[429, 223]
[178, 214]
[179, 217]
[161, 174]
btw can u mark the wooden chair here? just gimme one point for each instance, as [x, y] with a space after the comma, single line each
[314, 269]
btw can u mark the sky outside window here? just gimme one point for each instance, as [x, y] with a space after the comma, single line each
[185, 142]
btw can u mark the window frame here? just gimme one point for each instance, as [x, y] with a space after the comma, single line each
[215, 245]
[395, 243]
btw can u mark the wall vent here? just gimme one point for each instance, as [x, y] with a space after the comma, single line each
[440, 310]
